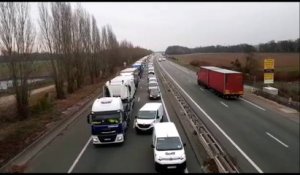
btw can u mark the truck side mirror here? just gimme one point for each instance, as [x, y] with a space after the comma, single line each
[184, 144]
[152, 146]
[135, 116]
[88, 119]
[157, 116]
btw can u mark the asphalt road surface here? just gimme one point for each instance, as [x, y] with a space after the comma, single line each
[73, 152]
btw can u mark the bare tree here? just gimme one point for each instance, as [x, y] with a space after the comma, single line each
[18, 36]
[47, 30]
[62, 20]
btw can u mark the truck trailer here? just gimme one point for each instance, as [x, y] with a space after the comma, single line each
[224, 82]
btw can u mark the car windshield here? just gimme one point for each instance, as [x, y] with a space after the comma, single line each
[147, 114]
[106, 118]
[168, 143]
[154, 91]
[153, 84]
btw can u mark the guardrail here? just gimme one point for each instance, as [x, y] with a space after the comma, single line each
[212, 147]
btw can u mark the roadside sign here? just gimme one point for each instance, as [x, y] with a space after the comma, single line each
[268, 78]
[269, 63]
[269, 71]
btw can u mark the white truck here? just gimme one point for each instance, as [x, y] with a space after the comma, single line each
[149, 114]
[132, 71]
[123, 87]
[168, 148]
[109, 121]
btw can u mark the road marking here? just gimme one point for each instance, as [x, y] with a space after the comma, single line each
[186, 170]
[277, 139]
[216, 125]
[202, 89]
[162, 100]
[253, 104]
[80, 154]
[224, 104]
[138, 99]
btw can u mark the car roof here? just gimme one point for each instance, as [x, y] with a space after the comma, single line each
[165, 129]
[151, 106]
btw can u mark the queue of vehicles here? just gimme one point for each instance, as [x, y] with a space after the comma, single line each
[110, 116]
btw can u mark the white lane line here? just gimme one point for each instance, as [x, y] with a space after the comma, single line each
[217, 126]
[277, 140]
[138, 99]
[224, 104]
[253, 104]
[186, 170]
[80, 154]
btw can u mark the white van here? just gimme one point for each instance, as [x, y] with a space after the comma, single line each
[167, 147]
[149, 114]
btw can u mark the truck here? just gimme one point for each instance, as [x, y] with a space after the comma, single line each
[139, 66]
[123, 87]
[132, 71]
[108, 120]
[226, 83]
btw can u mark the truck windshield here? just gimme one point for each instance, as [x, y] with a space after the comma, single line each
[147, 114]
[168, 143]
[106, 118]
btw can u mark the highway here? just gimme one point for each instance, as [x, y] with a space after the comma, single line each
[257, 138]
[73, 152]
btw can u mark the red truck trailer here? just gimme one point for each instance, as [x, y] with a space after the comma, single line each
[225, 82]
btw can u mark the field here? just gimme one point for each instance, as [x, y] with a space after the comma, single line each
[40, 68]
[287, 69]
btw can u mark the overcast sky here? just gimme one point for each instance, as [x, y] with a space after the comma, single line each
[157, 25]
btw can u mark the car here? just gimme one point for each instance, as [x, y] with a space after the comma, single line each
[151, 71]
[154, 93]
[152, 78]
[168, 148]
[152, 84]
[149, 114]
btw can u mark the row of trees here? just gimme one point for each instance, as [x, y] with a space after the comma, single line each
[79, 49]
[272, 46]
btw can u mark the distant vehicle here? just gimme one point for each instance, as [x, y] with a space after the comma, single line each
[149, 114]
[168, 148]
[109, 121]
[151, 76]
[154, 93]
[152, 84]
[224, 82]
[151, 70]
[159, 59]
[163, 59]
[132, 71]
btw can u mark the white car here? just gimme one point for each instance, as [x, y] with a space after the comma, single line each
[152, 84]
[168, 149]
[149, 114]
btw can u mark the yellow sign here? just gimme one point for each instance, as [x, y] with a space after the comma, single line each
[268, 78]
[269, 63]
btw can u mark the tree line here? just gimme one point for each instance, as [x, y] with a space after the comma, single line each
[272, 46]
[82, 50]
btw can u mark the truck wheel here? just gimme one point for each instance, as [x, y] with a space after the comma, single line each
[157, 167]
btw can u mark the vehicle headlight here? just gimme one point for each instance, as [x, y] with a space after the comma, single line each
[119, 137]
[95, 139]
[182, 157]
[150, 95]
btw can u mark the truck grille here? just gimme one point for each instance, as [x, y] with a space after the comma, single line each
[107, 138]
